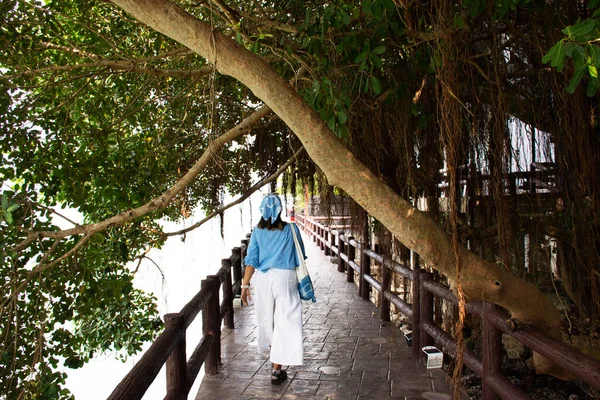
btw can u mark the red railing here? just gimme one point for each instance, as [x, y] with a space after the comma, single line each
[425, 332]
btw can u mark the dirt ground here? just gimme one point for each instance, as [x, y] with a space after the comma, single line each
[539, 387]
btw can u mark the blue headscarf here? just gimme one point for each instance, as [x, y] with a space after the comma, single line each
[270, 207]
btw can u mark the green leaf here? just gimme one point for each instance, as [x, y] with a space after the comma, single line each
[591, 88]
[569, 47]
[307, 16]
[389, 4]
[578, 31]
[345, 17]
[593, 4]
[362, 66]
[8, 217]
[558, 60]
[4, 201]
[594, 52]
[377, 10]
[574, 82]
[375, 60]
[342, 117]
[593, 71]
[596, 82]
[503, 6]
[12, 207]
[365, 87]
[359, 58]
[367, 7]
[379, 50]
[343, 132]
[550, 54]
[579, 56]
[376, 85]
[436, 60]
[331, 123]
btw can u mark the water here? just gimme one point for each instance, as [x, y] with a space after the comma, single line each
[184, 264]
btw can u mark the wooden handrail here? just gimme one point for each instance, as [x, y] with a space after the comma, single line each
[585, 367]
[137, 381]
[170, 344]
[496, 321]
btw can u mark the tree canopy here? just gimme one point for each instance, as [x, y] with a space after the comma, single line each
[104, 114]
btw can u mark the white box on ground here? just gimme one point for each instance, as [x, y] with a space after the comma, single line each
[435, 358]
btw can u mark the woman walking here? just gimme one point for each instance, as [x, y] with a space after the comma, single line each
[272, 253]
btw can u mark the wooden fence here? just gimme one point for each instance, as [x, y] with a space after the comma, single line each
[169, 346]
[425, 332]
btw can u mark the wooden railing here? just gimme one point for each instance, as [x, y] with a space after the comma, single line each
[169, 346]
[425, 332]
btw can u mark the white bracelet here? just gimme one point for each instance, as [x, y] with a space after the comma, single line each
[245, 286]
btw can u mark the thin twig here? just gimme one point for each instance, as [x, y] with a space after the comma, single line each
[253, 189]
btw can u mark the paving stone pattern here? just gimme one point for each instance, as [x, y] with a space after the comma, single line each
[367, 358]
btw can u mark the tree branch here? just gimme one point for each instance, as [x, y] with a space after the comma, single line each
[253, 189]
[267, 23]
[163, 200]
[124, 66]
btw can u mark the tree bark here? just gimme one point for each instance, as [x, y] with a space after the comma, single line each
[480, 280]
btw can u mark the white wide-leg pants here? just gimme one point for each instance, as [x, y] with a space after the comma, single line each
[279, 316]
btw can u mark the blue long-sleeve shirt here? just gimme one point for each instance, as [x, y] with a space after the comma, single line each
[273, 249]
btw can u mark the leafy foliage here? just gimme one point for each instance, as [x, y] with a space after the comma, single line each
[100, 114]
[579, 45]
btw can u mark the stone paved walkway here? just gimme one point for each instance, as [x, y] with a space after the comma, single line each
[349, 352]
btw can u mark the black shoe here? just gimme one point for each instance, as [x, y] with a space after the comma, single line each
[278, 378]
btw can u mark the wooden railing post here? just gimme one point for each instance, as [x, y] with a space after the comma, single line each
[237, 267]
[317, 238]
[324, 247]
[340, 246]
[416, 313]
[351, 255]
[228, 293]
[176, 363]
[321, 231]
[244, 249]
[491, 354]
[331, 240]
[365, 269]
[415, 260]
[243, 253]
[386, 283]
[426, 311]
[211, 324]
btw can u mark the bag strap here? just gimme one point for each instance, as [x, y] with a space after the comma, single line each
[297, 245]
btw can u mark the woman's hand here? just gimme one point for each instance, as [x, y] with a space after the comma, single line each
[246, 296]
[246, 286]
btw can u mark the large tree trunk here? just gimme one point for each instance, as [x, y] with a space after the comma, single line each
[480, 280]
